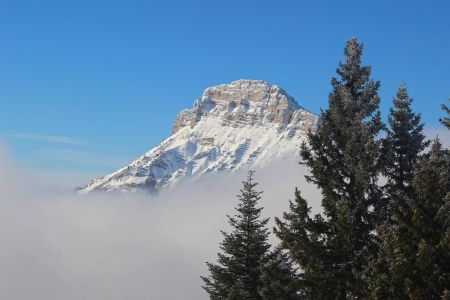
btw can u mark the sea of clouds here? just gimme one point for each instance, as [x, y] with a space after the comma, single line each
[59, 245]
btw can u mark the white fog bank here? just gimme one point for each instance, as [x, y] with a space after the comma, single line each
[58, 245]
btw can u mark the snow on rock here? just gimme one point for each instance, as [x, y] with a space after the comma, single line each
[243, 124]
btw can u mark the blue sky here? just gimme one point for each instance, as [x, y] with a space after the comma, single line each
[86, 86]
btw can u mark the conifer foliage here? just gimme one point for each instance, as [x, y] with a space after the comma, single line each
[371, 241]
[342, 155]
[278, 278]
[401, 149]
[299, 235]
[446, 121]
[403, 144]
[237, 274]
[414, 253]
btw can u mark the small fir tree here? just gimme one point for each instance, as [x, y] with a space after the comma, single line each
[237, 274]
[299, 235]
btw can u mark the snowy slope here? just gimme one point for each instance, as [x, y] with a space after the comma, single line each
[244, 124]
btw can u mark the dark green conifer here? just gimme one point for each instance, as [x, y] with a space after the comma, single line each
[278, 278]
[403, 144]
[343, 157]
[237, 274]
[414, 253]
[299, 235]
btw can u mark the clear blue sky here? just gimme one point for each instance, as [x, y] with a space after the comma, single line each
[86, 86]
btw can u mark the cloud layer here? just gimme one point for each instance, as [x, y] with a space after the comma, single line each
[58, 245]
[64, 246]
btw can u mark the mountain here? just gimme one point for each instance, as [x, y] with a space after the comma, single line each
[243, 124]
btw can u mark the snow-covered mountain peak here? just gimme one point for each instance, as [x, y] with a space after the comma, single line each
[242, 124]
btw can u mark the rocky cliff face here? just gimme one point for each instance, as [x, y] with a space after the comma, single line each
[241, 103]
[244, 124]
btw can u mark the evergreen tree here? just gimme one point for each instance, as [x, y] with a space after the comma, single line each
[278, 278]
[342, 155]
[446, 121]
[299, 235]
[414, 254]
[402, 146]
[237, 274]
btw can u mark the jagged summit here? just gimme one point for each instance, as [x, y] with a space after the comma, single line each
[242, 124]
[243, 101]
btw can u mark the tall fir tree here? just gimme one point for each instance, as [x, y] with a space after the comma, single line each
[414, 253]
[403, 144]
[237, 274]
[343, 158]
